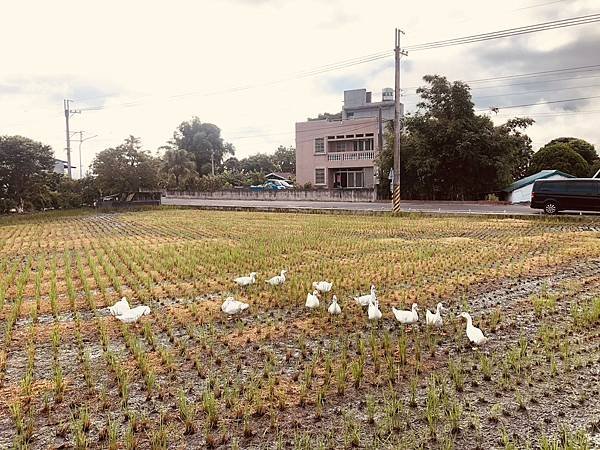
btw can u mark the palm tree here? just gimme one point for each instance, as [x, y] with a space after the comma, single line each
[178, 162]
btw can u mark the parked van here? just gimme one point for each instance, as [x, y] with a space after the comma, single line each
[578, 194]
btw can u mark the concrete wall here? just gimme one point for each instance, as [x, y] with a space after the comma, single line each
[523, 195]
[334, 195]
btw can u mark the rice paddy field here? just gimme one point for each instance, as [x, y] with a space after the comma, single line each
[280, 376]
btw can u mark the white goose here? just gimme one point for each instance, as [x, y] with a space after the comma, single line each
[119, 308]
[134, 314]
[231, 306]
[322, 286]
[374, 312]
[334, 308]
[245, 281]
[312, 300]
[364, 300]
[277, 279]
[407, 317]
[435, 320]
[474, 334]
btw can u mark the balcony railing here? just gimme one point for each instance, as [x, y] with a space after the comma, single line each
[351, 156]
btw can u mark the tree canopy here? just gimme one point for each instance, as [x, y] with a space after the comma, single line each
[584, 148]
[125, 168]
[25, 165]
[178, 165]
[259, 163]
[450, 153]
[559, 156]
[284, 159]
[205, 144]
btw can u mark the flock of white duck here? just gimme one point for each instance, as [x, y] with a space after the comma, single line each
[122, 311]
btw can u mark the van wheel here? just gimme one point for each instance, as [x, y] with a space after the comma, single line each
[551, 208]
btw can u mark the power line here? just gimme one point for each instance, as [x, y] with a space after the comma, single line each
[520, 84]
[385, 54]
[538, 92]
[541, 103]
[509, 32]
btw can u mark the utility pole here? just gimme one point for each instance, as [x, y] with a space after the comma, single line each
[379, 145]
[81, 140]
[398, 52]
[68, 113]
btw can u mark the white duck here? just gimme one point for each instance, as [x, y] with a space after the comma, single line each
[334, 308]
[374, 312]
[277, 279]
[364, 300]
[246, 281]
[474, 334]
[231, 306]
[312, 300]
[322, 286]
[407, 317]
[134, 314]
[119, 308]
[435, 320]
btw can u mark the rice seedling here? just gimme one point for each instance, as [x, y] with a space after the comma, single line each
[256, 380]
[187, 413]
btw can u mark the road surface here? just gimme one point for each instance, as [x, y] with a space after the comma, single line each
[407, 206]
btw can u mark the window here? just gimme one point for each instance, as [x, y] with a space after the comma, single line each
[319, 145]
[349, 179]
[319, 176]
[363, 145]
[582, 187]
[349, 115]
[550, 186]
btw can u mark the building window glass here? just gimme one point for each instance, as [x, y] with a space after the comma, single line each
[319, 145]
[319, 176]
[349, 179]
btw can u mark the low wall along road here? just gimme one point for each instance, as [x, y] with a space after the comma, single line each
[319, 195]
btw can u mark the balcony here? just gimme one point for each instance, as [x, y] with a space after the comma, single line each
[351, 156]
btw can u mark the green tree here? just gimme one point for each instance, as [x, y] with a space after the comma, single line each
[559, 157]
[204, 142]
[125, 168]
[584, 148]
[449, 152]
[327, 116]
[232, 164]
[24, 167]
[178, 164]
[259, 163]
[284, 159]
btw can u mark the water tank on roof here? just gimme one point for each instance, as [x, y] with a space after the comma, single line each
[387, 95]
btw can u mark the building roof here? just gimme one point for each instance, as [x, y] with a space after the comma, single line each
[536, 176]
[280, 175]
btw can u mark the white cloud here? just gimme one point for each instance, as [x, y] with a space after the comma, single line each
[142, 54]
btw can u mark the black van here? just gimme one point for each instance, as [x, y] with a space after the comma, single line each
[579, 194]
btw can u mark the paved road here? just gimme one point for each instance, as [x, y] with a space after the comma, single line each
[408, 206]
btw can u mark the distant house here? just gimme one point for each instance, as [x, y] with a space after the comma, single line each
[61, 167]
[283, 176]
[520, 191]
[341, 152]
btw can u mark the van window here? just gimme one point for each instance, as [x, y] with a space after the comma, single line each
[551, 186]
[583, 188]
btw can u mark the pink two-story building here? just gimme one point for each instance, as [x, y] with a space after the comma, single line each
[342, 153]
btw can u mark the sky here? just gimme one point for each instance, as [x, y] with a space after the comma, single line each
[143, 67]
